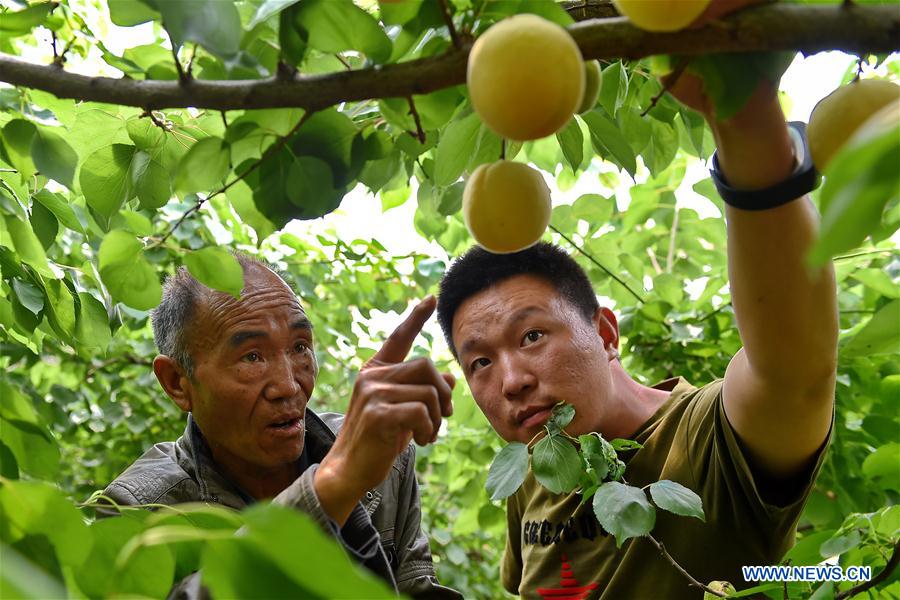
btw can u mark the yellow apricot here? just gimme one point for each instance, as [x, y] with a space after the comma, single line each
[592, 84]
[661, 15]
[525, 77]
[886, 119]
[836, 117]
[506, 206]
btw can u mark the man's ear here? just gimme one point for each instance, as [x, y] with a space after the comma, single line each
[608, 327]
[173, 380]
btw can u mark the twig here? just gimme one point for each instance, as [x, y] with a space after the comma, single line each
[161, 124]
[597, 263]
[420, 133]
[448, 19]
[503, 149]
[653, 261]
[343, 61]
[668, 81]
[670, 257]
[190, 65]
[671, 560]
[199, 204]
[886, 572]
[182, 76]
[224, 118]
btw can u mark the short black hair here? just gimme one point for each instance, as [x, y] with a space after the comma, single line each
[478, 270]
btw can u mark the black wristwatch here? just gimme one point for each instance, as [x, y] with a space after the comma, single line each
[803, 180]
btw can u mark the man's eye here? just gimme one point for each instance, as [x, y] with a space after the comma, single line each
[252, 357]
[302, 347]
[532, 336]
[479, 363]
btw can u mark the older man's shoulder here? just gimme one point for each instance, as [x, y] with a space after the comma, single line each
[154, 478]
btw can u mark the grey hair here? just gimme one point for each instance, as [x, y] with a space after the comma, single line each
[172, 319]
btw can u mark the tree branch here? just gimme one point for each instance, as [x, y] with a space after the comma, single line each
[269, 152]
[806, 28]
[671, 560]
[883, 575]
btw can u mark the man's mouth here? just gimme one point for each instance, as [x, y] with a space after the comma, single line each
[534, 416]
[287, 426]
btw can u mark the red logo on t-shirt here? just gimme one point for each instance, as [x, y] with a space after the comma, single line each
[568, 586]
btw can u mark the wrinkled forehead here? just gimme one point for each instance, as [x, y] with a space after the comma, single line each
[265, 297]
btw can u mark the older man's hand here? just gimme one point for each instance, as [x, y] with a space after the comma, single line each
[393, 401]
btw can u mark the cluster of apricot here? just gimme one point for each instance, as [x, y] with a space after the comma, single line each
[526, 79]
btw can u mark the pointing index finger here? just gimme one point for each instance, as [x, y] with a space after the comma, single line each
[399, 343]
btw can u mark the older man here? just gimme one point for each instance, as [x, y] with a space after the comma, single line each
[244, 371]
[528, 333]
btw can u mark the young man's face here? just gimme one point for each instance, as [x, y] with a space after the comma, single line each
[523, 348]
[254, 374]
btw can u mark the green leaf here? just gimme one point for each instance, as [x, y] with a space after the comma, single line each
[556, 464]
[144, 133]
[884, 462]
[339, 25]
[881, 335]
[877, 280]
[216, 268]
[38, 508]
[571, 141]
[23, 21]
[861, 179]
[623, 511]
[310, 187]
[620, 444]
[35, 450]
[151, 181]
[105, 178]
[840, 544]
[592, 453]
[16, 143]
[27, 245]
[214, 24]
[92, 326]
[289, 557]
[675, 498]
[147, 573]
[614, 87]
[455, 148]
[28, 295]
[609, 142]
[127, 274]
[561, 415]
[53, 157]
[268, 8]
[508, 471]
[21, 578]
[730, 78]
[57, 204]
[126, 13]
[44, 224]
[663, 146]
[204, 166]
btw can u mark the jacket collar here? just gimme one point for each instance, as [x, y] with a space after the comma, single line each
[195, 457]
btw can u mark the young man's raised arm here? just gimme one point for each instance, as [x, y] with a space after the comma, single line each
[779, 388]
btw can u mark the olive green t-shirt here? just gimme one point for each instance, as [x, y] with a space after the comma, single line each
[554, 549]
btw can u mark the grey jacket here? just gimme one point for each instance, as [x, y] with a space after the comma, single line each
[383, 531]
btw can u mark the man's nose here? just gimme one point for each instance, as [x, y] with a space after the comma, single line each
[284, 379]
[516, 376]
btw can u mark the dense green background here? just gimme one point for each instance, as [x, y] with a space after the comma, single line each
[89, 195]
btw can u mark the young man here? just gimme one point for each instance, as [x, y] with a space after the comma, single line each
[244, 371]
[528, 333]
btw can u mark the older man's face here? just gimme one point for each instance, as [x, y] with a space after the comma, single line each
[254, 374]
